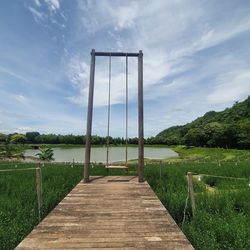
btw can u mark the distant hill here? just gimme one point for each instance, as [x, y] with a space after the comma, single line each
[229, 128]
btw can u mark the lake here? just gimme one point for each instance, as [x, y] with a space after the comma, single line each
[98, 154]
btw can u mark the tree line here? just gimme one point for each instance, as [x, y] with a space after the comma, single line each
[37, 138]
[229, 129]
[211, 135]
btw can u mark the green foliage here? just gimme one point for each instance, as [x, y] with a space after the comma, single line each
[195, 137]
[18, 138]
[229, 129]
[11, 150]
[46, 154]
[18, 204]
[222, 217]
[3, 138]
[37, 138]
[31, 136]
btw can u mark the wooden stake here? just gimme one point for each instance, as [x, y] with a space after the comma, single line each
[39, 192]
[191, 191]
[160, 169]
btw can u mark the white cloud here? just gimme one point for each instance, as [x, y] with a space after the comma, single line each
[23, 130]
[190, 59]
[78, 71]
[53, 5]
[37, 3]
[168, 89]
[36, 14]
[20, 98]
[124, 16]
[11, 73]
[169, 33]
[79, 77]
[231, 87]
[41, 15]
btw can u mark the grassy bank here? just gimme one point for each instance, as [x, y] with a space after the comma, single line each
[222, 218]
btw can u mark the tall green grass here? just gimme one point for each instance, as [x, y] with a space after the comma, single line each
[18, 201]
[222, 218]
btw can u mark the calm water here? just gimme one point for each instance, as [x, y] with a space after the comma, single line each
[98, 154]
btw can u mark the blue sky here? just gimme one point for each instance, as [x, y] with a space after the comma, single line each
[196, 59]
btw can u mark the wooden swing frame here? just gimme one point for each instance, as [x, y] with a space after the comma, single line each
[140, 112]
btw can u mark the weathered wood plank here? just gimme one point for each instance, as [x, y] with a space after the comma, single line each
[108, 215]
[116, 167]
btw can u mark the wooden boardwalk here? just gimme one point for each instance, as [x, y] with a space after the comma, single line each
[114, 212]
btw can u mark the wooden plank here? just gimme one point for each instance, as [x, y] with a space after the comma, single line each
[124, 54]
[116, 167]
[114, 212]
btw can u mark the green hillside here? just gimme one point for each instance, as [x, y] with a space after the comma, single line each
[229, 128]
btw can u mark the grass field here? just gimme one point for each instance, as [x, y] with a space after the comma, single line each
[222, 219]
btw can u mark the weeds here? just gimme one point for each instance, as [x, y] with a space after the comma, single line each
[222, 218]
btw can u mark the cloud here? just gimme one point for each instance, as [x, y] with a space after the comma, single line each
[124, 16]
[195, 60]
[78, 71]
[37, 3]
[41, 15]
[13, 74]
[53, 5]
[38, 16]
[20, 98]
[79, 77]
[167, 49]
[23, 130]
[230, 87]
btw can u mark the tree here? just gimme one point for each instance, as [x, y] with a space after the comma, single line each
[195, 137]
[3, 138]
[243, 135]
[31, 136]
[214, 134]
[18, 138]
[46, 154]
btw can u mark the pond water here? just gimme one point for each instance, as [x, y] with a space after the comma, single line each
[98, 154]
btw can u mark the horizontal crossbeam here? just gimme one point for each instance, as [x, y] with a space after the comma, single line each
[116, 54]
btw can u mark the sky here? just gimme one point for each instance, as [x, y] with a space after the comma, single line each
[196, 57]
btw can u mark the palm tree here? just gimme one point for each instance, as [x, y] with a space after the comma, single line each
[46, 154]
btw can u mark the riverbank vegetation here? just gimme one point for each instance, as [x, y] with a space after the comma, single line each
[18, 201]
[226, 129]
[222, 219]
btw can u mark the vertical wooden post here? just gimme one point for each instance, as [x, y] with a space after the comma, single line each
[39, 192]
[140, 119]
[89, 118]
[160, 170]
[191, 191]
